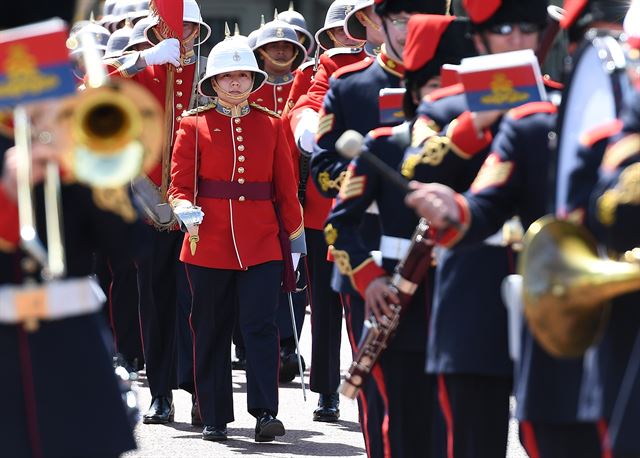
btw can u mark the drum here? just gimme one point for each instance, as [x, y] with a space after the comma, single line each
[593, 95]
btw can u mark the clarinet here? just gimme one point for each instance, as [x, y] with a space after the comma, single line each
[409, 273]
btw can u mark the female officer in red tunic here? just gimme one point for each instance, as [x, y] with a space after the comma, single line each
[244, 179]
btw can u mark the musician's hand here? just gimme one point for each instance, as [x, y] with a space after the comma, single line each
[165, 52]
[435, 202]
[378, 296]
[485, 119]
[41, 154]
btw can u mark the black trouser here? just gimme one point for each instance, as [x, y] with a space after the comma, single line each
[561, 440]
[124, 317]
[216, 295]
[413, 426]
[184, 360]
[371, 406]
[476, 412]
[326, 317]
[158, 266]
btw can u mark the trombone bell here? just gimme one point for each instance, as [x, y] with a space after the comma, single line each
[566, 286]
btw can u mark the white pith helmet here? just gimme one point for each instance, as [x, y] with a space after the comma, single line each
[231, 55]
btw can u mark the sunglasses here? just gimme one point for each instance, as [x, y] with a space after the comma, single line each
[508, 28]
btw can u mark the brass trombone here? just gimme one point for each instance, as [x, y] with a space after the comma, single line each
[113, 129]
[567, 286]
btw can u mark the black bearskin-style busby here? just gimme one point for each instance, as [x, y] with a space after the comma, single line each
[487, 13]
[16, 14]
[386, 7]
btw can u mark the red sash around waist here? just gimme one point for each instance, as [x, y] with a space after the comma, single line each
[235, 191]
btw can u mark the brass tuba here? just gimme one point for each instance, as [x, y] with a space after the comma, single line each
[567, 286]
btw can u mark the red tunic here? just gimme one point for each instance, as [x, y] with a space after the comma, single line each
[250, 148]
[316, 206]
[9, 224]
[274, 93]
[154, 78]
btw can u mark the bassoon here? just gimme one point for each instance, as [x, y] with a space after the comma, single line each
[377, 335]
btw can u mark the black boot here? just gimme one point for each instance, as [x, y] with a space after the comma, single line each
[289, 364]
[240, 363]
[268, 427]
[214, 433]
[328, 408]
[160, 412]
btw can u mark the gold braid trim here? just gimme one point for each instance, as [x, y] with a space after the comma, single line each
[265, 110]
[326, 183]
[199, 110]
[626, 192]
[115, 200]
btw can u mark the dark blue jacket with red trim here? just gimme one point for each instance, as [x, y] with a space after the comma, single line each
[468, 329]
[363, 186]
[613, 215]
[513, 180]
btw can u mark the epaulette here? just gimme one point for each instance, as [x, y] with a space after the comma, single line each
[619, 152]
[601, 132]
[307, 64]
[342, 50]
[445, 92]
[198, 110]
[532, 108]
[353, 68]
[265, 110]
[381, 132]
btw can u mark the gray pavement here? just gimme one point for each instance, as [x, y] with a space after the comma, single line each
[304, 437]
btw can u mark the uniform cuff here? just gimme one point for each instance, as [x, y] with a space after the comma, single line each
[452, 235]
[365, 273]
[464, 138]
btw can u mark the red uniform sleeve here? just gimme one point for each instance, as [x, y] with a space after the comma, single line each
[9, 224]
[183, 162]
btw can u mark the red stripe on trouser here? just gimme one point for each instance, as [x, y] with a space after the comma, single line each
[363, 399]
[28, 388]
[112, 323]
[529, 439]
[445, 406]
[378, 376]
[193, 340]
[603, 434]
[144, 354]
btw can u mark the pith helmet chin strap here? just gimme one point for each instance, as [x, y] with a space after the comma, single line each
[340, 44]
[235, 98]
[276, 63]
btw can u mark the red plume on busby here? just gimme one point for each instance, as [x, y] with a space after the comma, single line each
[448, 42]
[572, 11]
[486, 13]
[579, 14]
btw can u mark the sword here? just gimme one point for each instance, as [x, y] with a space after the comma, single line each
[295, 338]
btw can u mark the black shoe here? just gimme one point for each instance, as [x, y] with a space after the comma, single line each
[196, 419]
[240, 363]
[289, 365]
[160, 412]
[214, 433]
[328, 408]
[268, 427]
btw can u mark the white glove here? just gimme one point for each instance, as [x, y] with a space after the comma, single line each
[295, 257]
[189, 216]
[305, 134]
[165, 52]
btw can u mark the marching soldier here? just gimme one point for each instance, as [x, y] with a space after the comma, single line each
[512, 180]
[161, 281]
[402, 360]
[467, 347]
[138, 40]
[279, 54]
[46, 411]
[351, 102]
[244, 187]
[299, 24]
